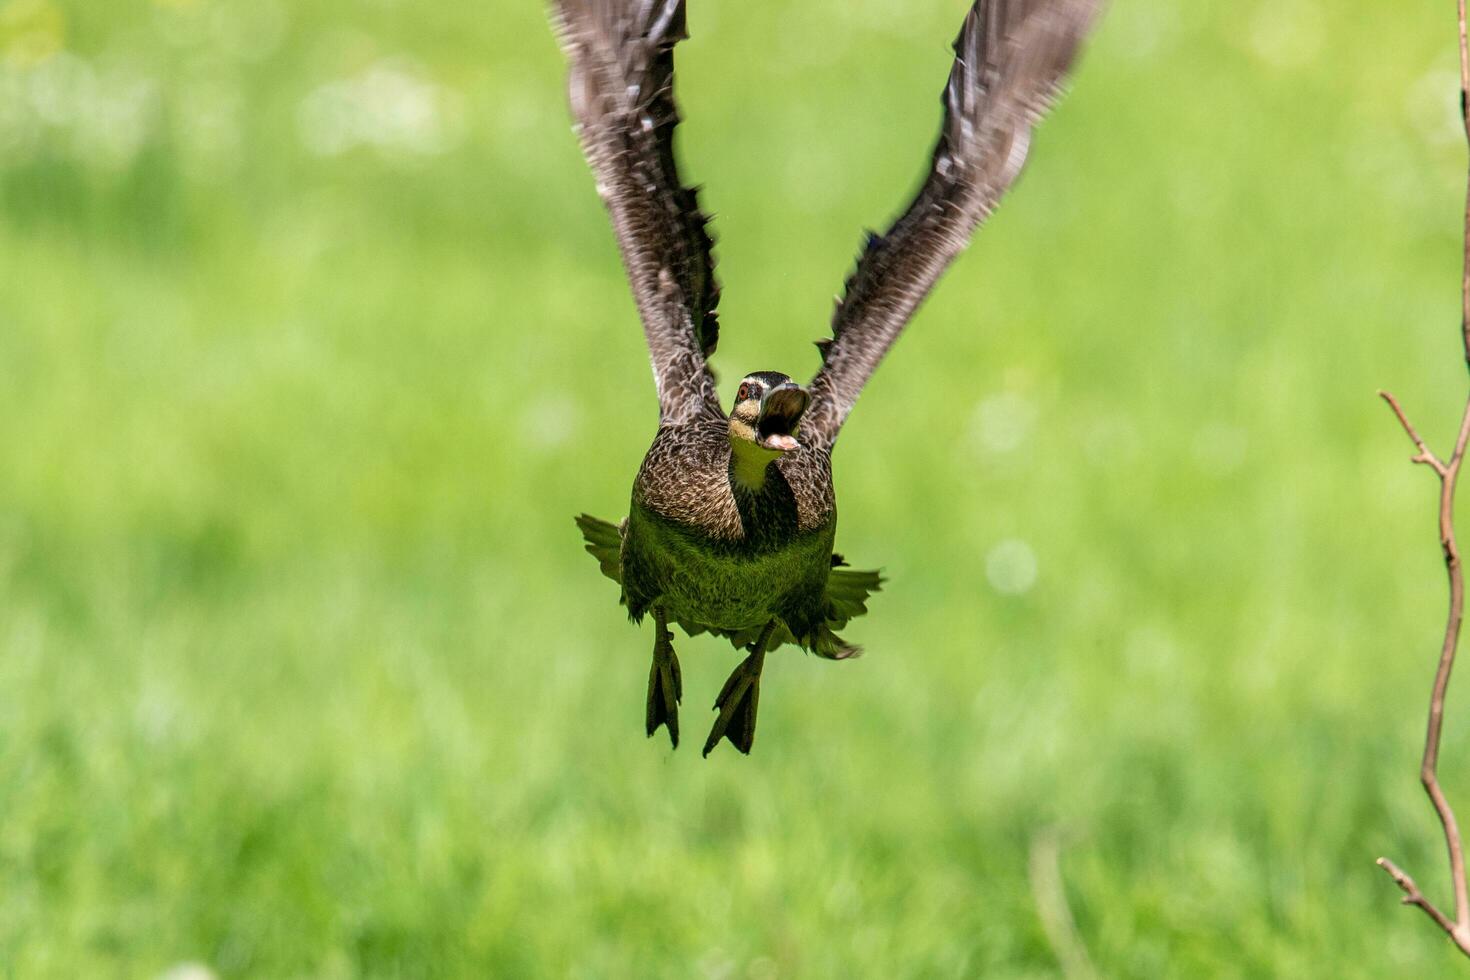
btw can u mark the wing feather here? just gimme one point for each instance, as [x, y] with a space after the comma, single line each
[1010, 59]
[621, 55]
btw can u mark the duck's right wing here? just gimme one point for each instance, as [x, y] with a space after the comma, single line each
[1010, 58]
[621, 86]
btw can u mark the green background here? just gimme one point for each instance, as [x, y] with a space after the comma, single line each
[313, 338]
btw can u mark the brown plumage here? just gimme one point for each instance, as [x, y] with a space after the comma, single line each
[732, 520]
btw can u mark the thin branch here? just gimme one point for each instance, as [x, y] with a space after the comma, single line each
[1465, 120]
[1424, 455]
[1458, 926]
[1413, 896]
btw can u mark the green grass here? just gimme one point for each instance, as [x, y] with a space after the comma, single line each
[303, 670]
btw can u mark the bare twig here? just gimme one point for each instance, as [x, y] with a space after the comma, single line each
[1465, 120]
[1413, 896]
[1458, 926]
[1050, 896]
[1424, 455]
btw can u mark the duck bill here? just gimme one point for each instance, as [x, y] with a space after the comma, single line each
[781, 412]
[780, 443]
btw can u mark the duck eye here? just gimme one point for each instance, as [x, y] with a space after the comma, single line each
[747, 390]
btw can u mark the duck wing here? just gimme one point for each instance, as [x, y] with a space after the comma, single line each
[1010, 59]
[621, 55]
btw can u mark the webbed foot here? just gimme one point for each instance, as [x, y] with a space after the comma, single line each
[665, 684]
[739, 699]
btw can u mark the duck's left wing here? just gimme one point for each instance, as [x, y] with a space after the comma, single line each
[621, 88]
[1010, 58]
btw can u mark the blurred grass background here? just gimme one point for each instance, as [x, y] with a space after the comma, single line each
[313, 338]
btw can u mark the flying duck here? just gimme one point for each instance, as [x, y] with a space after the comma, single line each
[732, 521]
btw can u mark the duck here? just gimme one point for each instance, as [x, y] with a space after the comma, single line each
[731, 526]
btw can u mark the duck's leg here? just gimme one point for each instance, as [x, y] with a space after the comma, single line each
[739, 698]
[665, 685]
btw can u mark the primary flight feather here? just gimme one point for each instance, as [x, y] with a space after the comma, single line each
[733, 519]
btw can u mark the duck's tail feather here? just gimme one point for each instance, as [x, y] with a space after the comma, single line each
[847, 594]
[829, 646]
[605, 543]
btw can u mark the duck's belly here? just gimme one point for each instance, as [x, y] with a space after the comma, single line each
[714, 584]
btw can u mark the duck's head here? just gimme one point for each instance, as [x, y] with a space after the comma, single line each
[768, 408]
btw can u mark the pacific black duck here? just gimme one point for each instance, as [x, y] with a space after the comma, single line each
[732, 520]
